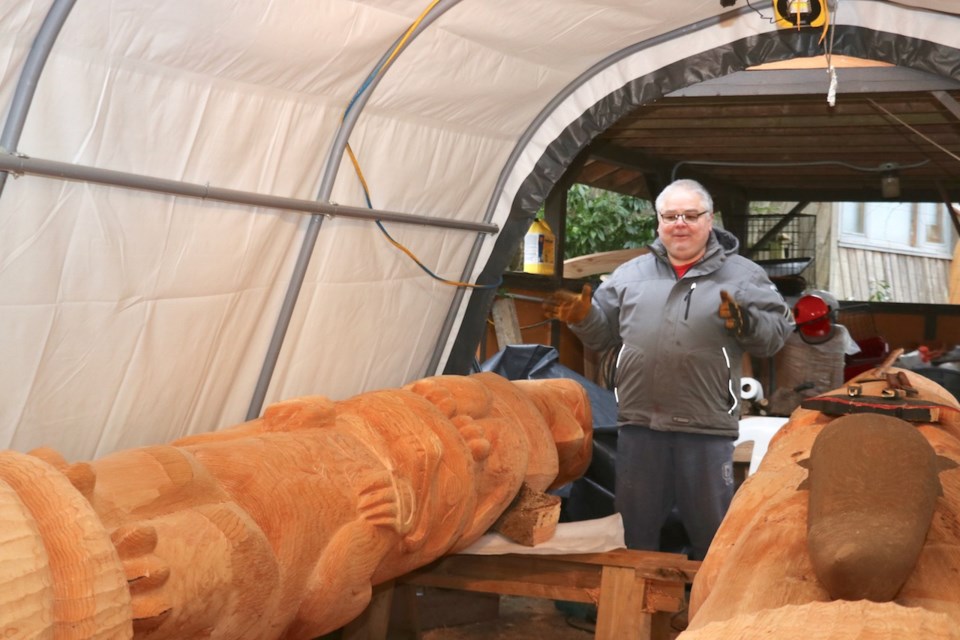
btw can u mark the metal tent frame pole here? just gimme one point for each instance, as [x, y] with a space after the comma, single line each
[21, 165]
[328, 178]
[11, 162]
[30, 76]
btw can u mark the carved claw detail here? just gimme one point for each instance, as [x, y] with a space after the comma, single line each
[144, 620]
[134, 540]
[474, 435]
[146, 574]
[378, 502]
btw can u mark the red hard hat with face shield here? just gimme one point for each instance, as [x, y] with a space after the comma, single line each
[813, 317]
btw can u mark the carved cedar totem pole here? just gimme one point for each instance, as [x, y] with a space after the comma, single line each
[850, 528]
[278, 527]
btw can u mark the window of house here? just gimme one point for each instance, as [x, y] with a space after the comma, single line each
[922, 228]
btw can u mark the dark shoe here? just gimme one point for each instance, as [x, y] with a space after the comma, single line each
[678, 621]
[582, 624]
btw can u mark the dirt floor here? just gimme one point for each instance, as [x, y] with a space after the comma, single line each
[517, 619]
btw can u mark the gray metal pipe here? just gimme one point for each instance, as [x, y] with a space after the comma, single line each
[30, 77]
[334, 156]
[20, 165]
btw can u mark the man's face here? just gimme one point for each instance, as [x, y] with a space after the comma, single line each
[685, 241]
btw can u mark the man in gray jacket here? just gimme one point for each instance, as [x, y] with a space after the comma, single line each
[684, 314]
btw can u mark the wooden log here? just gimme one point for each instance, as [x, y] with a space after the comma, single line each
[758, 573]
[279, 527]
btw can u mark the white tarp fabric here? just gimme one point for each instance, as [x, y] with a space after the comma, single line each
[132, 318]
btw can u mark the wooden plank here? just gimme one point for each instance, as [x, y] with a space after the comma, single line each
[656, 565]
[820, 62]
[620, 612]
[655, 142]
[664, 596]
[785, 122]
[529, 576]
[578, 573]
[506, 325]
[599, 263]
[559, 590]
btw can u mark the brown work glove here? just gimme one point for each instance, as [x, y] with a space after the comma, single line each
[735, 319]
[568, 306]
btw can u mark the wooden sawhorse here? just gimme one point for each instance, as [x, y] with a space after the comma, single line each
[635, 591]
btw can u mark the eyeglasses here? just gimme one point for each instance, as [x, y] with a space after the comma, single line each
[690, 217]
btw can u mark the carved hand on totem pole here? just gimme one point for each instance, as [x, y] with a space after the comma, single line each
[279, 527]
[849, 528]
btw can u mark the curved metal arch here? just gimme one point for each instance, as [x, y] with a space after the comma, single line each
[327, 181]
[30, 76]
[734, 56]
[518, 220]
[25, 91]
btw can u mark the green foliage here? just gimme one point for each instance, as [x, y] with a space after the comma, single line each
[599, 220]
[880, 291]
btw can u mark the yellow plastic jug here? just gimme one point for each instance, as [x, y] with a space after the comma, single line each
[538, 249]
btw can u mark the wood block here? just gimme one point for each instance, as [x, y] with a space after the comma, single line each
[531, 519]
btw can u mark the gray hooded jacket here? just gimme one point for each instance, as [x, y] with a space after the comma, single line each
[679, 368]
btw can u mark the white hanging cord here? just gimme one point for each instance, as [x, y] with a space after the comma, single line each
[832, 90]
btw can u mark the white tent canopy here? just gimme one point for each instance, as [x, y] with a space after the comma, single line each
[143, 300]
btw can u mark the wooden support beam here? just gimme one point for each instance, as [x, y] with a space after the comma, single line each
[635, 591]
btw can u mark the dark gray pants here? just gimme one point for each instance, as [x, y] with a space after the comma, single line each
[657, 471]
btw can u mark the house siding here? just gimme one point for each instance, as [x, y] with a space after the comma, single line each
[860, 274]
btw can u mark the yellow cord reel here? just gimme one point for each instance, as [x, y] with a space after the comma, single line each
[800, 13]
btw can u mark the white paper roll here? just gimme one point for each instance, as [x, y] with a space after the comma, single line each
[750, 389]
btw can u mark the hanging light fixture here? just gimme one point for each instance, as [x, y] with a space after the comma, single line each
[889, 181]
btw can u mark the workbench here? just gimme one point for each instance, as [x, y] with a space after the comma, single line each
[635, 592]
